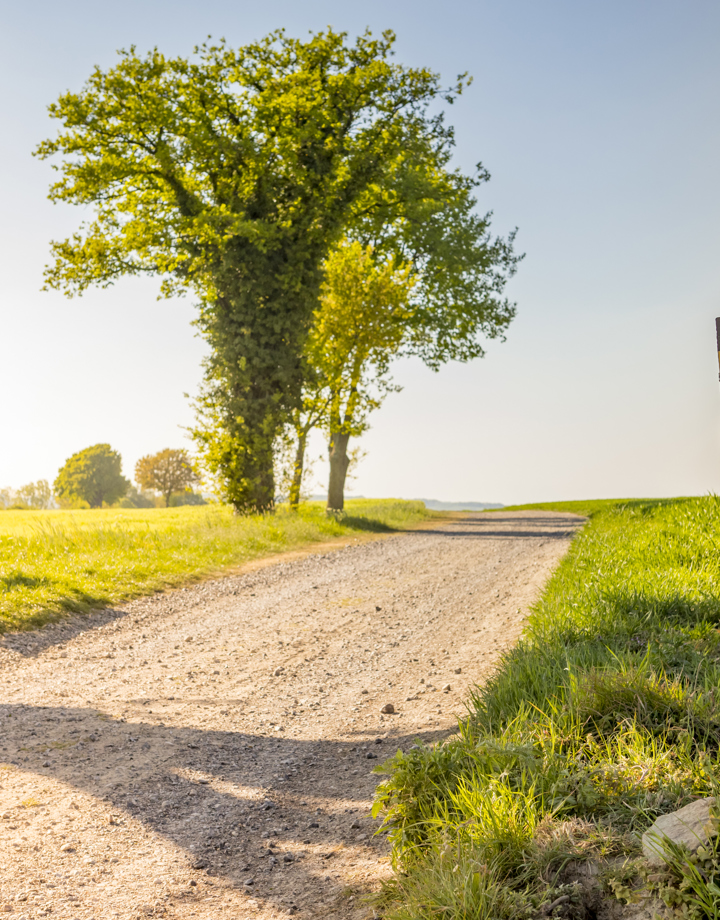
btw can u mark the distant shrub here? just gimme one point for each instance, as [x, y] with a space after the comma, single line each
[72, 503]
[136, 499]
[187, 497]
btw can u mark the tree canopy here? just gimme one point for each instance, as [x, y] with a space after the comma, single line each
[92, 475]
[166, 472]
[363, 317]
[234, 174]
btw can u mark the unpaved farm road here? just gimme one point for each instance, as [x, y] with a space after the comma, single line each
[207, 752]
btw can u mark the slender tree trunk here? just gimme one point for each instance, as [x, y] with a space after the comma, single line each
[296, 484]
[339, 462]
[167, 499]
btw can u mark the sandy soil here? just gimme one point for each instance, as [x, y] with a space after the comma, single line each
[207, 752]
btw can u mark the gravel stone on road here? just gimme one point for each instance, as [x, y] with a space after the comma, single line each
[208, 752]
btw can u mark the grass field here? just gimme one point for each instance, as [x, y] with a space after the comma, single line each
[54, 562]
[605, 716]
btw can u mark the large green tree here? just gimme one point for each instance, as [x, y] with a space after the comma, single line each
[93, 475]
[233, 175]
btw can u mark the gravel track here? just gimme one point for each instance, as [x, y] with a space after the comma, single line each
[207, 752]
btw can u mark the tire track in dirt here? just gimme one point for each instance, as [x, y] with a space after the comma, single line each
[207, 752]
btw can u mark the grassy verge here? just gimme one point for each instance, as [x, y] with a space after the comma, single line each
[605, 716]
[53, 562]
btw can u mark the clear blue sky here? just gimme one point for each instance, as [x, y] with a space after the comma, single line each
[599, 124]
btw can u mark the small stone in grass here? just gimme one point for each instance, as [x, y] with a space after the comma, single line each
[458, 671]
[388, 709]
[447, 688]
[249, 882]
[188, 638]
[690, 826]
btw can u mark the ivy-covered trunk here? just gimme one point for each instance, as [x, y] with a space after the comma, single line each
[236, 436]
[339, 463]
[253, 376]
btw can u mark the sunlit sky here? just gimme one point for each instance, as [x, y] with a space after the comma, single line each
[599, 124]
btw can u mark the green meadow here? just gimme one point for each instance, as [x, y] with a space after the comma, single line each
[56, 562]
[605, 716]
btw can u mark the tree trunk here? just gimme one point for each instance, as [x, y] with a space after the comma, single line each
[254, 493]
[256, 327]
[296, 485]
[339, 462]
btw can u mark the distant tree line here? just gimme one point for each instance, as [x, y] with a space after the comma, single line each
[35, 495]
[92, 478]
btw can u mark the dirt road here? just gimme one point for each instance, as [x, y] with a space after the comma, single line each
[207, 753]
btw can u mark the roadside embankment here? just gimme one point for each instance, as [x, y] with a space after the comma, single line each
[605, 716]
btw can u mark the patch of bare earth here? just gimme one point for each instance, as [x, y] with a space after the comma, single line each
[207, 752]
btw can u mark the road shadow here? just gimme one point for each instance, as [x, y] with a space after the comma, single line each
[369, 525]
[31, 643]
[241, 806]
